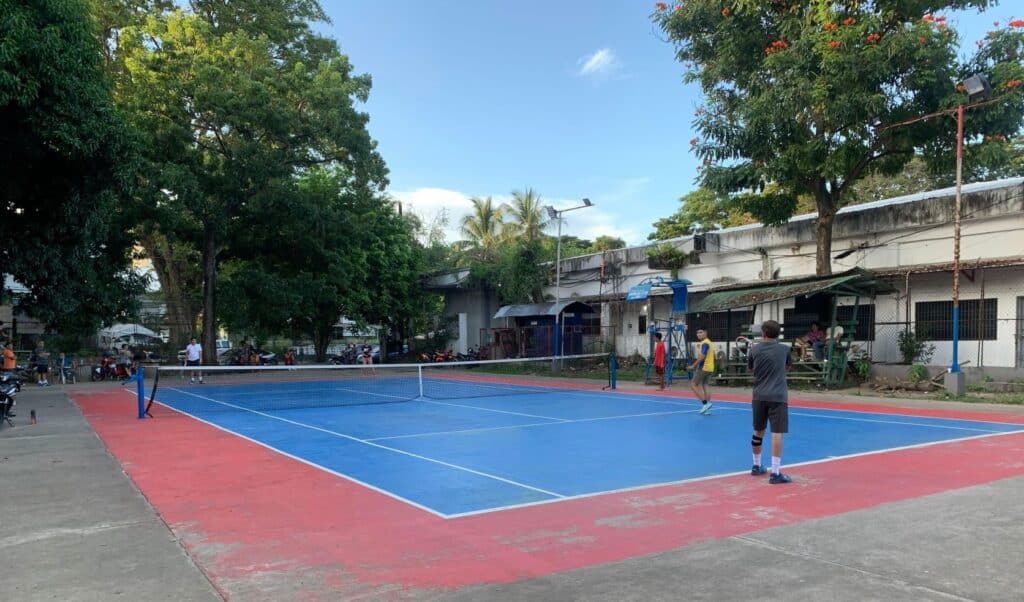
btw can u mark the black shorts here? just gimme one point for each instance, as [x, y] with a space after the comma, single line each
[774, 412]
[191, 362]
[43, 369]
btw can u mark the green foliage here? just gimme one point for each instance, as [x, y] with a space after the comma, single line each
[516, 272]
[862, 368]
[793, 91]
[917, 373]
[667, 257]
[914, 347]
[484, 230]
[529, 219]
[700, 211]
[333, 252]
[607, 243]
[231, 101]
[66, 163]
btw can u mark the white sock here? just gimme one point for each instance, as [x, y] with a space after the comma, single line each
[776, 464]
[757, 459]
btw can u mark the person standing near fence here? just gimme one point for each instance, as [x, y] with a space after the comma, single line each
[41, 360]
[10, 360]
[703, 367]
[193, 355]
[659, 361]
[769, 361]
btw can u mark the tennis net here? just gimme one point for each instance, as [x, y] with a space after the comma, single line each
[268, 388]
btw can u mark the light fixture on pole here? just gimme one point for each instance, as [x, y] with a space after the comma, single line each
[556, 214]
[978, 93]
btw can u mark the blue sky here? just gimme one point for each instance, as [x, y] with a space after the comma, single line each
[575, 99]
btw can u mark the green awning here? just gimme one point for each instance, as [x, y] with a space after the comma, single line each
[857, 282]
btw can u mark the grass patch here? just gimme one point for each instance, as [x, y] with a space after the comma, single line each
[1002, 398]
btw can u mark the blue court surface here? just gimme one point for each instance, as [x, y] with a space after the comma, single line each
[520, 446]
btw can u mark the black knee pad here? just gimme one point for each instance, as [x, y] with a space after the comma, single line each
[756, 441]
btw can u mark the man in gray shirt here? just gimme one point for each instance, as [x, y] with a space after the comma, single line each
[770, 360]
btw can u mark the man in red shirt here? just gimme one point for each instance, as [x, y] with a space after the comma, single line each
[659, 360]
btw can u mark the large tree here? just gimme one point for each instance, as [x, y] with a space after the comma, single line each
[528, 218]
[334, 251]
[484, 230]
[66, 161]
[797, 94]
[700, 210]
[235, 99]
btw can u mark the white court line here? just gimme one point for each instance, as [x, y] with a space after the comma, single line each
[391, 495]
[459, 405]
[878, 421]
[724, 474]
[365, 442]
[532, 424]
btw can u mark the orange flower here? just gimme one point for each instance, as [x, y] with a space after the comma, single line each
[922, 39]
[1017, 23]
[927, 18]
[874, 38]
[834, 44]
[849, 21]
[829, 27]
[725, 12]
[1013, 83]
[661, 6]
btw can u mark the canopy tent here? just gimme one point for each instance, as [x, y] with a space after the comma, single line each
[133, 333]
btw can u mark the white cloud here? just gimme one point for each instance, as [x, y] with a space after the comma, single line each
[599, 64]
[431, 204]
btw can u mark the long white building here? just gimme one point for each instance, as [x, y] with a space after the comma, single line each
[906, 241]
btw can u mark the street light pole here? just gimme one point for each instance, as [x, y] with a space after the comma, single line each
[556, 214]
[955, 367]
[978, 94]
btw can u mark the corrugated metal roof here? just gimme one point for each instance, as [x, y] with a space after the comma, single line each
[734, 297]
[530, 310]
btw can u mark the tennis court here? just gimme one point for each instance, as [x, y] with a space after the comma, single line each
[455, 441]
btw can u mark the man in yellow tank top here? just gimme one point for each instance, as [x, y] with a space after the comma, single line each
[703, 367]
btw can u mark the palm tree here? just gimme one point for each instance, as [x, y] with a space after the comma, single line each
[483, 227]
[528, 216]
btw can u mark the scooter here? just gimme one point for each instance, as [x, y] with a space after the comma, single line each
[108, 368]
[10, 385]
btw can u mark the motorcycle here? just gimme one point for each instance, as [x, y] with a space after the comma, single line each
[109, 369]
[10, 385]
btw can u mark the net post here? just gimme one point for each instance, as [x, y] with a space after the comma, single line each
[419, 378]
[141, 390]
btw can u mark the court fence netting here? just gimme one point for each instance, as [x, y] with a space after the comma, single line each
[269, 388]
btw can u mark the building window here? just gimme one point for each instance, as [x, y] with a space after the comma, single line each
[591, 324]
[934, 320]
[641, 325]
[720, 325]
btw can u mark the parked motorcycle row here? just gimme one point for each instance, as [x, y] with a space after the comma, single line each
[472, 354]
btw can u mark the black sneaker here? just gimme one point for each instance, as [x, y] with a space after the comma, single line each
[779, 478]
[757, 470]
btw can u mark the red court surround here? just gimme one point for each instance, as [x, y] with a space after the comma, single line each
[247, 513]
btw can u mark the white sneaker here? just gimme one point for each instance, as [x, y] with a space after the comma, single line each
[705, 408]
[191, 381]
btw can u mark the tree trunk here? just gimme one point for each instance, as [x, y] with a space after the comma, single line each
[177, 281]
[826, 216]
[209, 297]
[321, 339]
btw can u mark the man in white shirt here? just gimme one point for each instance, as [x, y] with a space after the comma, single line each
[193, 353]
